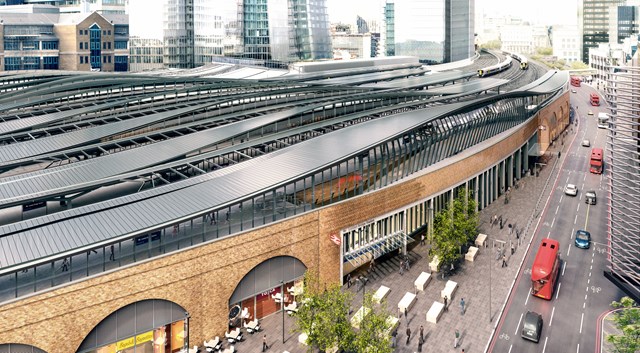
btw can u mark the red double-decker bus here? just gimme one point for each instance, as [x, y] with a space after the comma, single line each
[576, 81]
[594, 99]
[595, 162]
[544, 273]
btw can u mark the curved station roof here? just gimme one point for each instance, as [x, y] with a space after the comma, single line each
[87, 161]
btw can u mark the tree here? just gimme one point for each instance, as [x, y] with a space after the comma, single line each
[374, 333]
[627, 321]
[323, 315]
[454, 226]
[544, 51]
[492, 44]
[578, 65]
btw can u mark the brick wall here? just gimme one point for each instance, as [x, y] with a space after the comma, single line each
[202, 279]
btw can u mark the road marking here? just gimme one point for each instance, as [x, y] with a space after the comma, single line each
[568, 250]
[588, 280]
[584, 305]
[545, 344]
[589, 274]
[585, 296]
[554, 219]
[561, 196]
[564, 265]
[558, 291]
[586, 289]
[526, 301]
[557, 208]
[519, 321]
[552, 312]
[510, 346]
[587, 219]
[573, 230]
[578, 208]
[575, 220]
[578, 350]
[581, 318]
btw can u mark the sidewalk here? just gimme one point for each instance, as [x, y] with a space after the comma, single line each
[483, 284]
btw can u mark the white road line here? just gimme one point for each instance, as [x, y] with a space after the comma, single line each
[568, 250]
[578, 349]
[581, 319]
[545, 344]
[585, 296]
[586, 289]
[567, 179]
[588, 280]
[591, 262]
[526, 301]
[557, 208]
[519, 321]
[554, 219]
[594, 252]
[564, 265]
[578, 209]
[561, 196]
[584, 305]
[573, 230]
[558, 291]
[575, 220]
[510, 346]
[549, 235]
[589, 274]
[552, 312]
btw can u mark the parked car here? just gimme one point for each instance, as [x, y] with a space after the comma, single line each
[586, 143]
[590, 112]
[532, 326]
[571, 190]
[574, 91]
[590, 197]
[583, 239]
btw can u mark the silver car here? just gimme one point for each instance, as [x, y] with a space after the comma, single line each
[586, 143]
[571, 190]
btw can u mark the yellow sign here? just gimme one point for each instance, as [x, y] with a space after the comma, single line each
[144, 337]
[124, 344]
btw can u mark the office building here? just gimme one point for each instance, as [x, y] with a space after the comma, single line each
[46, 40]
[624, 22]
[565, 42]
[595, 23]
[356, 45]
[435, 31]
[623, 156]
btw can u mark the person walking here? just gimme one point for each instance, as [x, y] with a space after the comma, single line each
[421, 333]
[406, 315]
[504, 260]
[394, 339]
[264, 343]
[420, 342]
[457, 340]
[446, 307]
[422, 240]
[408, 334]
[461, 306]
[112, 256]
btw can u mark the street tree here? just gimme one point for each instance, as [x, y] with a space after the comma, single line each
[323, 315]
[627, 321]
[374, 334]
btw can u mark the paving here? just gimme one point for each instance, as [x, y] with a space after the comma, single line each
[484, 283]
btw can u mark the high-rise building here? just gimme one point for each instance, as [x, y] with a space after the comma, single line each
[565, 43]
[623, 156]
[178, 34]
[595, 23]
[435, 31]
[624, 21]
[308, 30]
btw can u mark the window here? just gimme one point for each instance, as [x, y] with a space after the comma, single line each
[49, 45]
[109, 59]
[120, 45]
[104, 59]
[108, 45]
[11, 44]
[50, 63]
[80, 45]
[80, 32]
[104, 45]
[81, 59]
[109, 32]
[11, 64]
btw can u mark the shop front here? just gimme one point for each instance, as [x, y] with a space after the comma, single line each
[150, 326]
[266, 289]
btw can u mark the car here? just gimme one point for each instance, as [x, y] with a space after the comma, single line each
[532, 326]
[583, 239]
[590, 112]
[574, 91]
[586, 143]
[590, 197]
[571, 190]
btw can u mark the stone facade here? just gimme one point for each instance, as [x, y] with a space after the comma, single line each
[202, 279]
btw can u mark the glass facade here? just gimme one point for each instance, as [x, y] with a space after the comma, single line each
[595, 24]
[94, 43]
[309, 27]
[435, 31]
[179, 34]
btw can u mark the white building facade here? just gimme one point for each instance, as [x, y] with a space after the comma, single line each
[566, 43]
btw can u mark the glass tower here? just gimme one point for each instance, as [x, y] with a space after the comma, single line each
[595, 24]
[179, 34]
[435, 31]
[623, 156]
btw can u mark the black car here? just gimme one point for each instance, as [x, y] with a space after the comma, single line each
[590, 197]
[532, 326]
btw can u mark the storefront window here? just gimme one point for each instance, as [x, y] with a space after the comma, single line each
[178, 336]
[266, 302]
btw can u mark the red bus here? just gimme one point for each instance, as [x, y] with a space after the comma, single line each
[576, 81]
[544, 273]
[596, 163]
[594, 99]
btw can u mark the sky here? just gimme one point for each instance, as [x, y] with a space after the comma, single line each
[548, 12]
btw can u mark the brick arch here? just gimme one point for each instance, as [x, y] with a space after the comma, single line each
[163, 312]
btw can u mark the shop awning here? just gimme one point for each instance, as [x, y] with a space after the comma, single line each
[378, 248]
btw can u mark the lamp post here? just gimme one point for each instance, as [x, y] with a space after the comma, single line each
[282, 307]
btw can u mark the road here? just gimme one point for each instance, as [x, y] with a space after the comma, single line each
[582, 292]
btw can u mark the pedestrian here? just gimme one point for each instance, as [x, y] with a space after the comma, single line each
[264, 343]
[501, 222]
[420, 342]
[399, 313]
[112, 256]
[393, 339]
[348, 280]
[510, 228]
[445, 303]
[422, 239]
[408, 334]
[461, 306]
[504, 260]
[406, 314]
[401, 267]
[457, 341]
[513, 249]
[421, 333]
[65, 265]
[372, 266]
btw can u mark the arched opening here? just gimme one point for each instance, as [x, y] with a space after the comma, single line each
[148, 326]
[266, 289]
[19, 348]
